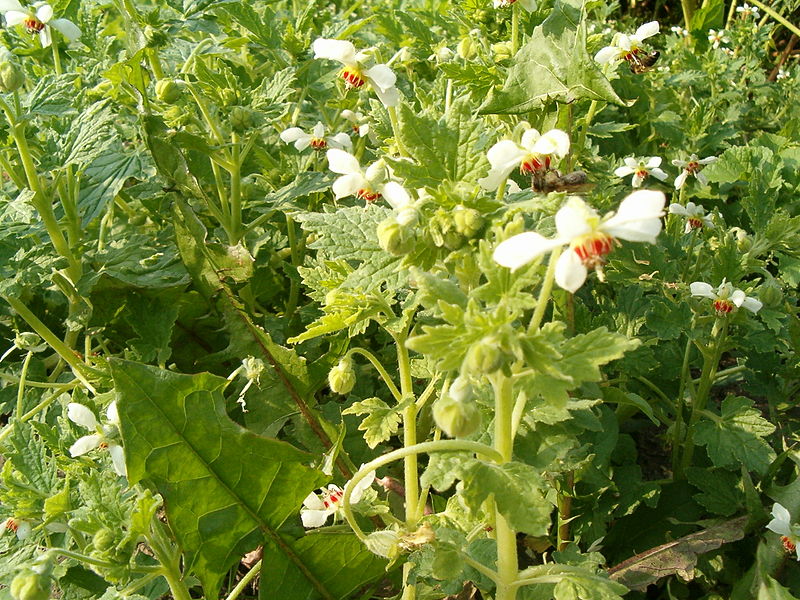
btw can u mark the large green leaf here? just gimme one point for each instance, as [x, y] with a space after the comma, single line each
[225, 489]
[553, 65]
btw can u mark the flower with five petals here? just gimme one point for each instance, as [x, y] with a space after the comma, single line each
[641, 169]
[782, 525]
[726, 297]
[368, 184]
[693, 166]
[318, 507]
[696, 217]
[534, 153]
[355, 72]
[589, 237]
[718, 37]
[316, 139]
[105, 436]
[627, 47]
[38, 19]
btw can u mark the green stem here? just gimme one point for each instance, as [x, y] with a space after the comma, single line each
[678, 426]
[514, 29]
[448, 96]
[244, 581]
[18, 180]
[401, 453]
[396, 130]
[688, 7]
[294, 286]
[89, 560]
[32, 412]
[776, 16]
[169, 559]
[500, 194]
[577, 148]
[387, 379]
[689, 255]
[411, 469]
[155, 63]
[23, 376]
[56, 54]
[40, 384]
[236, 190]
[545, 292]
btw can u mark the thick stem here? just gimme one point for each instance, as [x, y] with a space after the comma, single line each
[244, 581]
[56, 54]
[688, 7]
[565, 512]
[294, 288]
[169, 559]
[236, 191]
[577, 148]
[411, 469]
[514, 29]
[23, 376]
[396, 130]
[777, 16]
[678, 426]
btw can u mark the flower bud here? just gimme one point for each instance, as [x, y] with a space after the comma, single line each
[383, 543]
[242, 119]
[467, 49]
[743, 241]
[168, 90]
[501, 51]
[468, 221]
[394, 238]
[455, 417]
[485, 356]
[156, 38]
[342, 377]
[460, 390]
[30, 585]
[11, 75]
[103, 539]
[771, 293]
[253, 368]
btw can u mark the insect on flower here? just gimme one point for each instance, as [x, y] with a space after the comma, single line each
[629, 48]
[641, 169]
[726, 298]
[318, 507]
[590, 238]
[38, 19]
[535, 155]
[316, 139]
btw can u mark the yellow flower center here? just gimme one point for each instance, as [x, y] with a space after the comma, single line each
[319, 143]
[592, 248]
[33, 25]
[353, 77]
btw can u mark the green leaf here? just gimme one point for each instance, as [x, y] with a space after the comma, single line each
[553, 65]
[516, 490]
[738, 436]
[53, 95]
[152, 318]
[338, 561]
[772, 590]
[381, 422]
[224, 488]
[721, 491]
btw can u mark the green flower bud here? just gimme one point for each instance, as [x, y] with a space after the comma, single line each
[228, 97]
[456, 413]
[342, 377]
[176, 116]
[485, 356]
[771, 293]
[383, 543]
[30, 585]
[467, 49]
[501, 51]
[743, 241]
[468, 221]
[11, 75]
[155, 37]
[104, 539]
[168, 90]
[453, 240]
[394, 238]
[242, 119]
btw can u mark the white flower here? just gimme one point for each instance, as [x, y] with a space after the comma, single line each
[442, 54]
[589, 237]
[726, 297]
[681, 31]
[104, 436]
[404, 207]
[746, 11]
[535, 152]
[696, 217]
[368, 184]
[529, 5]
[782, 73]
[358, 120]
[39, 21]
[692, 167]
[717, 37]
[355, 73]
[316, 139]
[20, 527]
[641, 168]
[627, 47]
[319, 507]
[782, 525]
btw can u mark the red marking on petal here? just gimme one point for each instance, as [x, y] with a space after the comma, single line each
[11, 524]
[368, 195]
[593, 248]
[33, 25]
[788, 544]
[694, 223]
[723, 307]
[532, 163]
[319, 143]
[353, 77]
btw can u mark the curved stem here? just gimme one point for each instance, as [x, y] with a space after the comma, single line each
[490, 573]
[545, 292]
[56, 54]
[587, 122]
[89, 560]
[248, 577]
[387, 379]
[31, 413]
[23, 376]
[500, 194]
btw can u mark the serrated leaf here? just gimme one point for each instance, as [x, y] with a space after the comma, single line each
[433, 289]
[224, 487]
[381, 422]
[737, 437]
[553, 65]
[338, 561]
[53, 95]
[152, 319]
[720, 490]
[516, 490]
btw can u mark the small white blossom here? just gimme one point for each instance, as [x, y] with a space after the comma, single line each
[692, 167]
[355, 72]
[726, 297]
[442, 54]
[535, 152]
[641, 169]
[318, 507]
[316, 139]
[529, 5]
[746, 11]
[681, 31]
[38, 19]
[104, 437]
[717, 37]
[627, 47]
[782, 525]
[589, 237]
[358, 121]
[368, 184]
[782, 74]
[20, 527]
[696, 217]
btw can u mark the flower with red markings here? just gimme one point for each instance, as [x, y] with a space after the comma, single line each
[316, 139]
[536, 152]
[105, 436]
[726, 298]
[627, 47]
[782, 525]
[693, 166]
[38, 19]
[641, 169]
[695, 214]
[318, 507]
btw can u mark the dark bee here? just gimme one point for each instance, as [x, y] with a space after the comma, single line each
[554, 181]
[641, 62]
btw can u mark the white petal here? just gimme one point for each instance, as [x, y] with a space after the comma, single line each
[658, 174]
[44, 13]
[112, 415]
[681, 179]
[85, 444]
[396, 195]
[493, 179]
[292, 134]
[529, 138]
[521, 249]
[637, 180]
[319, 130]
[81, 415]
[45, 37]
[554, 141]
[314, 518]
[302, 142]
[10, 5]
[361, 486]
[389, 96]
[570, 271]
[631, 162]
[701, 178]
[680, 163]
[24, 530]
[339, 50]
[737, 297]
[505, 155]
[780, 527]
[118, 459]
[752, 304]
[701, 288]
[708, 160]
[653, 161]
[623, 171]
[647, 30]
[607, 54]
[313, 502]
[67, 28]
[381, 76]
[572, 219]
[677, 209]
[529, 5]
[340, 140]
[343, 162]
[348, 185]
[638, 218]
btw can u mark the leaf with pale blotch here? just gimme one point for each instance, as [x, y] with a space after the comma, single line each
[225, 489]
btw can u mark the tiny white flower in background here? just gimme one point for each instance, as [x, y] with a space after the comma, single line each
[404, 207]
[358, 120]
[782, 73]
[38, 19]
[316, 139]
[692, 167]
[782, 525]
[681, 31]
[442, 54]
[589, 237]
[726, 297]
[367, 184]
[746, 11]
[103, 437]
[20, 527]
[626, 47]
[355, 72]
[529, 5]
[318, 507]
[717, 37]
[641, 169]
[535, 152]
[696, 217]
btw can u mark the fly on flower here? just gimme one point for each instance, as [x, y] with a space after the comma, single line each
[692, 167]
[696, 217]
[641, 169]
[355, 72]
[535, 155]
[629, 48]
[38, 19]
[590, 238]
[726, 298]
[318, 507]
[316, 139]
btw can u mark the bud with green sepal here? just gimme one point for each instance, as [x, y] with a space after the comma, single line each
[771, 293]
[169, 90]
[342, 377]
[468, 221]
[11, 75]
[486, 356]
[394, 238]
[456, 413]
